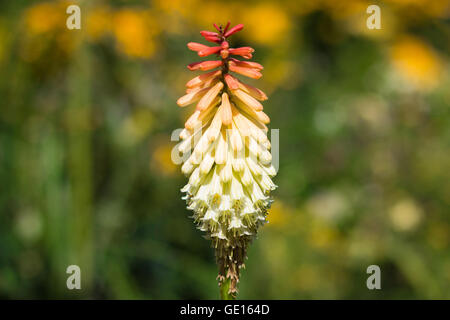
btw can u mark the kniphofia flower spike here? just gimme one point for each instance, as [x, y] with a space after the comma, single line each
[229, 160]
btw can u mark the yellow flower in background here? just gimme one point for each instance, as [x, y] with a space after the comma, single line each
[135, 32]
[44, 23]
[176, 7]
[99, 22]
[45, 17]
[405, 215]
[175, 14]
[416, 62]
[266, 23]
[215, 11]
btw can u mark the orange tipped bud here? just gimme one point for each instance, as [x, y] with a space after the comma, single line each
[231, 81]
[209, 50]
[254, 92]
[203, 78]
[248, 72]
[247, 64]
[191, 97]
[226, 110]
[214, 129]
[264, 118]
[248, 99]
[194, 46]
[204, 65]
[190, 123]
[209, 97]
[245, 52]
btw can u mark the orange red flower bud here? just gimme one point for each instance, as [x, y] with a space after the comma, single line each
[245, 52]
[209, 33]
[231, 81]
[194, 46]
[226, 27]
[210, 36]
[203, 78]
[205, 65]
[209, 50]
[247, 64]
[248, 72]
[235, 29]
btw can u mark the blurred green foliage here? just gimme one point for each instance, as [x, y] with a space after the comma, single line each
[85, 170]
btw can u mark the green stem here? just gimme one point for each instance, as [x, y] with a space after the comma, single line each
[224, 288]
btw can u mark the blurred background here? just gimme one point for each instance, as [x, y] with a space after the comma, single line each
[85, 169]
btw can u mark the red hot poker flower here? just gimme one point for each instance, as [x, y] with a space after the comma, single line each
[229, 164]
